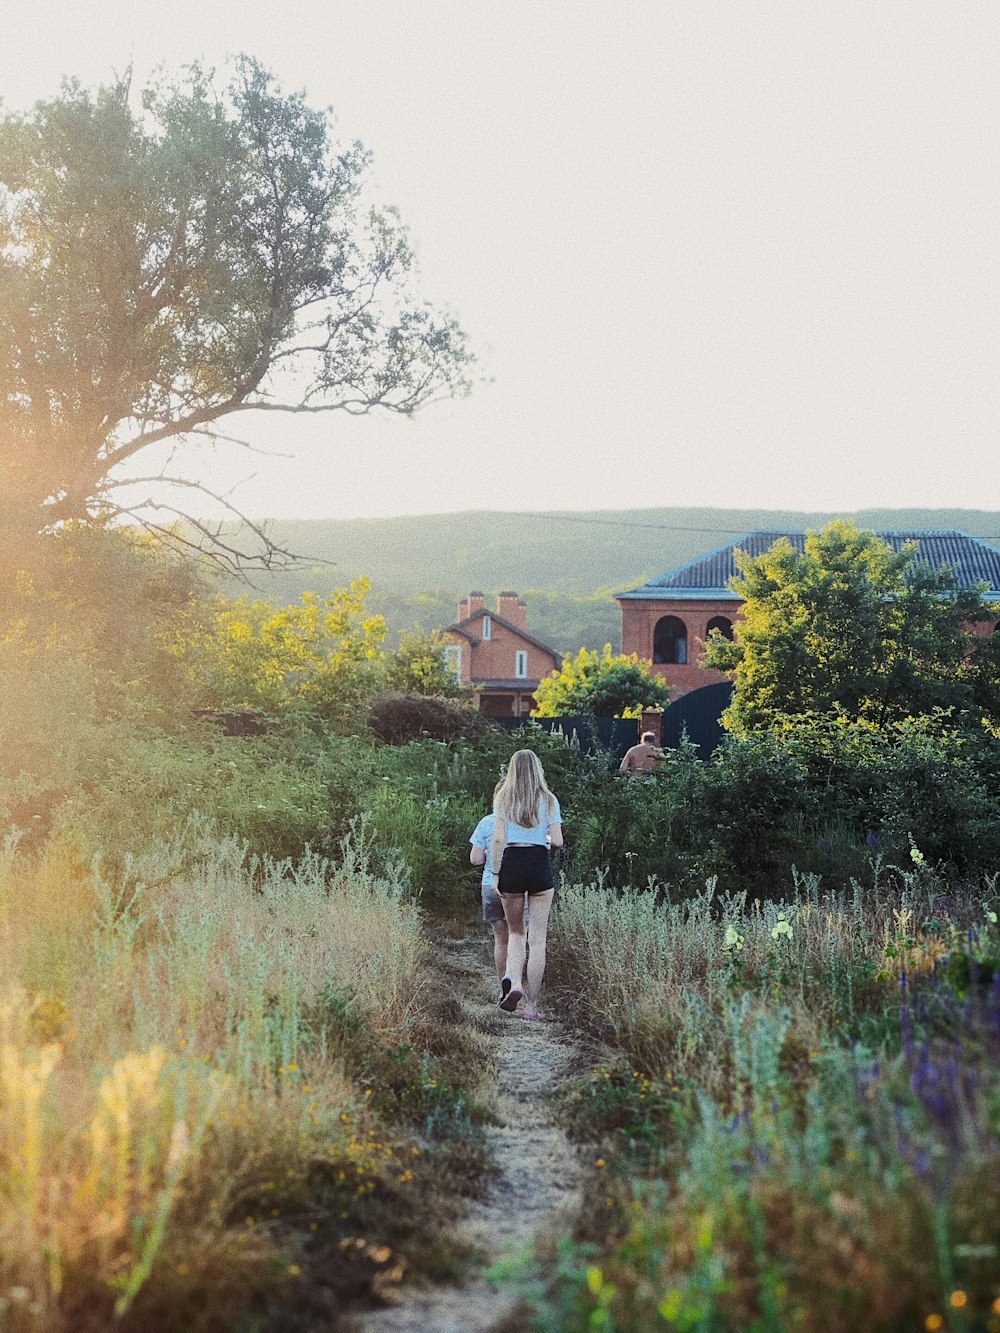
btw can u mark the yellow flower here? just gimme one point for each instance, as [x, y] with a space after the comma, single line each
[781, 927]
[732, 939]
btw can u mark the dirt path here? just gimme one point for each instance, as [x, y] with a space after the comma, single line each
[537, 1187]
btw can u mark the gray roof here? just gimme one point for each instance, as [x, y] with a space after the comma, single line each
[708, 575]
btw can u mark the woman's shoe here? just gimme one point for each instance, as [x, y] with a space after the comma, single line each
[509, 1002]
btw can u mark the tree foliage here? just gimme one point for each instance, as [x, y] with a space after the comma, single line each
[320, 658]
[853, 627]
[418, 666]
[166, 266]
[602, 684]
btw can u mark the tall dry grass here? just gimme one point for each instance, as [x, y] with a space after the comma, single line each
[805, 1135]
[166, 1066]
[662, 976]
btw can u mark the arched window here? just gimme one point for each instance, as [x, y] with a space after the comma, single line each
[670, 640]
[723, 624]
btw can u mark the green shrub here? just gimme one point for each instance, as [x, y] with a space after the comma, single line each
[277, 794]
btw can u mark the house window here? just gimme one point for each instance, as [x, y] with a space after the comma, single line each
[487, 627]
[453, 661]
[670, 641]
[521, 665]
[723, 624]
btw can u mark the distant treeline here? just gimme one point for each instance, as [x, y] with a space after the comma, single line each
[566, 565]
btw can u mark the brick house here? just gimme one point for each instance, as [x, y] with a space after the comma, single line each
[493, 652]
[667, 620]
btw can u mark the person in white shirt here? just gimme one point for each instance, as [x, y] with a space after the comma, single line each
[479, 855]
[528, 822]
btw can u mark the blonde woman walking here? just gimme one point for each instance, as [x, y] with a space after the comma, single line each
[528, 822]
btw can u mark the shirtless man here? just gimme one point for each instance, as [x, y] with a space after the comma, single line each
[642, 758]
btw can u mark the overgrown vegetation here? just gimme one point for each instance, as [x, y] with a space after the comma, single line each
[231, 1090]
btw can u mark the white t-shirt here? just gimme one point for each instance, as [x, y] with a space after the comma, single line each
[538, 832]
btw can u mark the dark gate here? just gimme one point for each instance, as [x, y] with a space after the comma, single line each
[698, 714]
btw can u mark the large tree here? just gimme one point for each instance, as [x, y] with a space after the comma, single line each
[171, 260]
[852, 626]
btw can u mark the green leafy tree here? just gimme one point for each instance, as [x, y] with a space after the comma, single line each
[602, 684]
[319, 658]
[166, 265]
[851, 626]
[418, 666]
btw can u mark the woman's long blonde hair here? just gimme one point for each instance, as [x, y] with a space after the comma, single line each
[520, 793]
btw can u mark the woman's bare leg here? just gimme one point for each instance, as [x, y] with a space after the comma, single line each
[500, 933]
[513, 910]
[541, 903]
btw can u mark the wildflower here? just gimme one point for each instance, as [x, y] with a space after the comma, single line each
[918, 859]
[933, 1322]
[600, 1162]
[294, 1269]
[732, 939]
[958, 1299]
[781, 927]
[991, 916]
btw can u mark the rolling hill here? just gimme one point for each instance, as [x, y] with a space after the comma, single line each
[566, 563]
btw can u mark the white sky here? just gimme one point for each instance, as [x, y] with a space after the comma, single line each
[712, 252]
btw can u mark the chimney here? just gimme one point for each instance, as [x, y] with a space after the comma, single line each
[652, 720]
[512, 608]
[468, 606]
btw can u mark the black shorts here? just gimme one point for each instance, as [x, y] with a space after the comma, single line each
[525, 870]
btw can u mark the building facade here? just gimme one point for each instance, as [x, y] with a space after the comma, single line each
[667, 620]
[493, 652]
